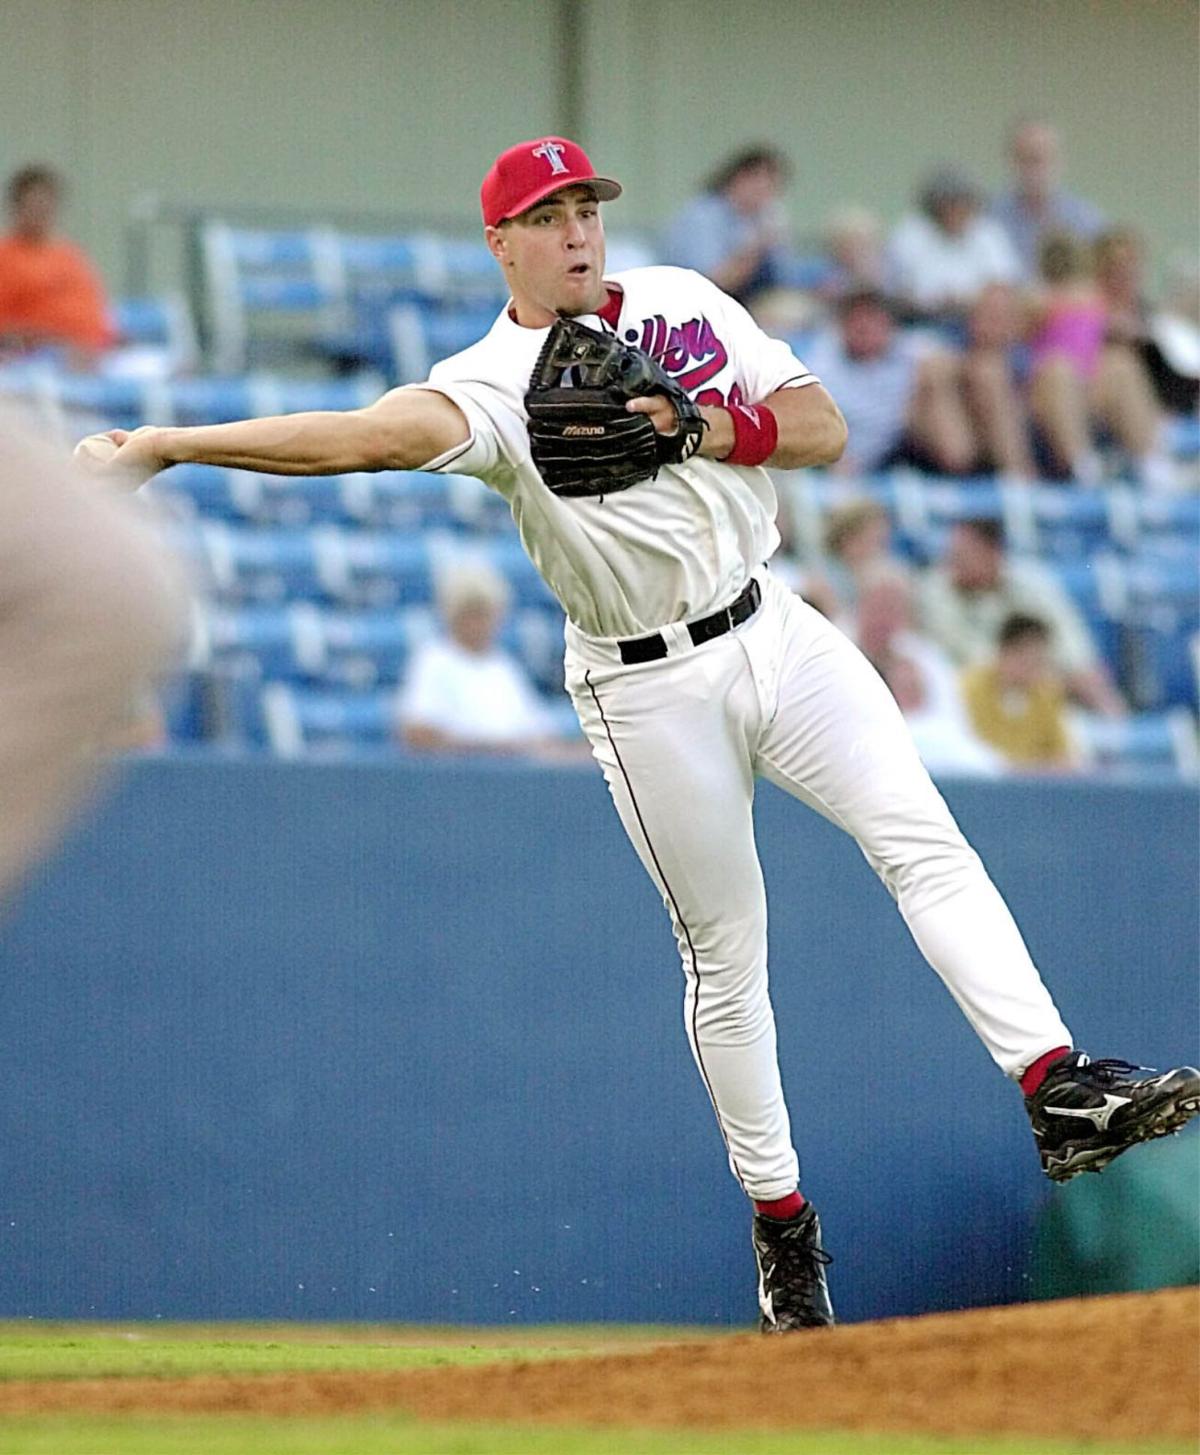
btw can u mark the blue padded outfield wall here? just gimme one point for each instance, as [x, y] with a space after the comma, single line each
[393, 1042]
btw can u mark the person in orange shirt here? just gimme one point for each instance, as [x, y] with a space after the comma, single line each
[1016, 702]
[49, 291]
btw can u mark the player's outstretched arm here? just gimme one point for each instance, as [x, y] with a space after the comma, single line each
[402, 431]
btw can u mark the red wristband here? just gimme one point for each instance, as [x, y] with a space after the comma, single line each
[755, 434]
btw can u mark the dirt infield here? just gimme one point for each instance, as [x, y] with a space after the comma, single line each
[1122, 1367]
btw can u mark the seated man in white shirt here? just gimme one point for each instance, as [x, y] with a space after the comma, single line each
[463, 692]
[943, 255]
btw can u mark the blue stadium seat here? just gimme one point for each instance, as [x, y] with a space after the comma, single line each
[469, 272]
[256, 274]
[446, 290]
[1142, 520]
[185, 708]
[259, 641]
[115, 403]
[1162, 741]
[1096, 584]
[1057, 520]
[1164, 662]
[245, 497]
[247, 564]
[1163, 624]
[420, 335]
[212, 400]
[291, 396]
[925, 507]
[309, 721]
[476, 508]
[401, 500]
[1183, 436]
[204, 490]
[376, 568]
[363, 649]
[1168, 577]
[385, 267]
[534, 635]
[508, 556]
[295, 500]
[158, 329]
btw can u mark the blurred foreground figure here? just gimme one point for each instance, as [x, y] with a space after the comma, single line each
[91, 606]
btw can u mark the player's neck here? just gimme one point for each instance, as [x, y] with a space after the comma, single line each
[529, 314]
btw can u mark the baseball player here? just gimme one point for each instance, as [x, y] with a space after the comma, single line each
[627, 420]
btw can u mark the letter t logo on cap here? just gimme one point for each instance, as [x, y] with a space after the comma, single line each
[552, 151]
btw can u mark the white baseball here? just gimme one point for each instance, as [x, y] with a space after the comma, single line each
[96, 449]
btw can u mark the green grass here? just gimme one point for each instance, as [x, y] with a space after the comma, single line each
[61, 1351]
[389, 1435]
[75, 1351]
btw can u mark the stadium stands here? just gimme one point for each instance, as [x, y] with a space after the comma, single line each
[158, 336]
[321, 587]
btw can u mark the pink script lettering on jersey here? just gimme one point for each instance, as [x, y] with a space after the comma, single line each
[691, 353]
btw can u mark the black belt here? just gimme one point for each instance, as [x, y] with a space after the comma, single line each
[651, 648]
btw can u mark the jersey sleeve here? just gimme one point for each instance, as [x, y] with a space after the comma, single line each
[762, 364]
[480, 453]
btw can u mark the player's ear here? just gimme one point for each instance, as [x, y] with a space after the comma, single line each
[497, 241]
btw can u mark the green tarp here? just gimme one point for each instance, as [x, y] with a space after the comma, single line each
[1136, 1226]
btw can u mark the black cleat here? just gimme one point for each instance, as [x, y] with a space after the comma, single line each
[1086, 1113]
[792, 1292]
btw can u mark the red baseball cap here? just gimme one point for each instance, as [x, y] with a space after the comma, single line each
[531, 170]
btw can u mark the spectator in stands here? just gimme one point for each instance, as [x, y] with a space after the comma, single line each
[942, 256]
[1016, 700]
[853, 238]
[975, 587]
[994, 362]
[734, 231]
[464, 693]
[858, 550]
[1168, 340]
[1078, 378]
[900, 393]
[1036, 204]
[922, 678]
[50, 294]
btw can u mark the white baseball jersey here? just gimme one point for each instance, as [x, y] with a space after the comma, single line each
[665, 550]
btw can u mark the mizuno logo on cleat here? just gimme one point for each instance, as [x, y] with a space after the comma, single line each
[1099, 1116]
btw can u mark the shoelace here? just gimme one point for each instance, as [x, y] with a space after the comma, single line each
[1110, 1070]
[814, 1255]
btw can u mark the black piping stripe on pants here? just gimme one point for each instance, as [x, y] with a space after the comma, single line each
[587, 677]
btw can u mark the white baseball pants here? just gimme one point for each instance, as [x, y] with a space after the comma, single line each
[788, 697]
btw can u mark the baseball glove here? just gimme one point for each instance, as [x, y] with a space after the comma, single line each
[583, 440]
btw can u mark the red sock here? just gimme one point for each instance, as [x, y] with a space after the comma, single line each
[1036, 1074]
[790, 1206]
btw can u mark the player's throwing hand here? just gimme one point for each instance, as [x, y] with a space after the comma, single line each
[121, 457]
